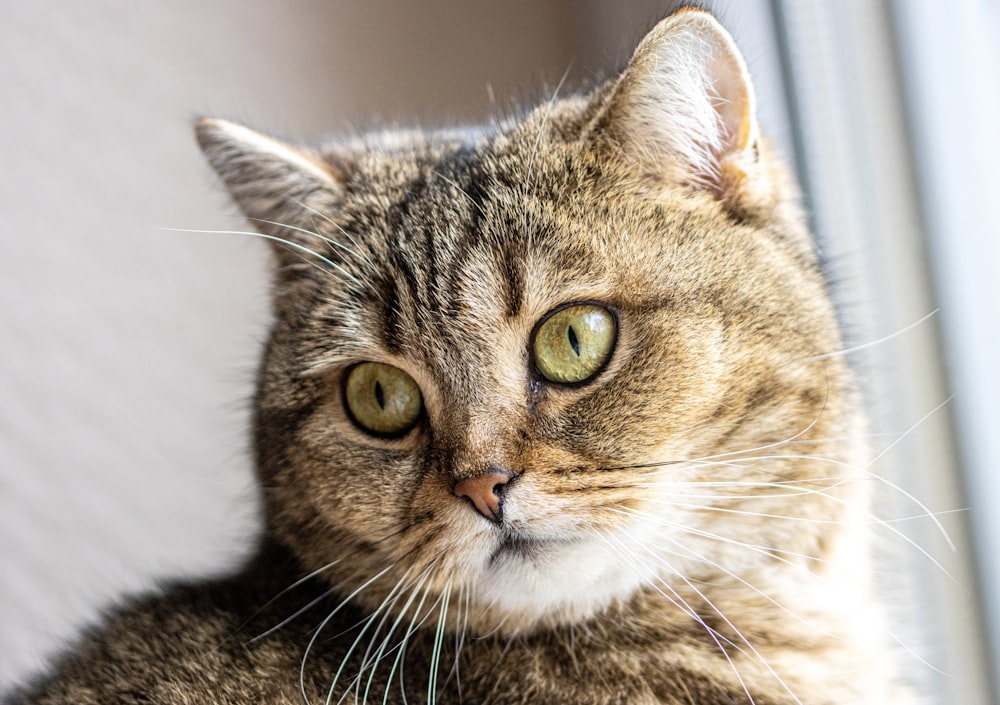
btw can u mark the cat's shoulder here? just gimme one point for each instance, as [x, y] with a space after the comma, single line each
[187, 642]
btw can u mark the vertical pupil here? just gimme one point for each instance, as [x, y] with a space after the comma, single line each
[379, 395]
[574, 343]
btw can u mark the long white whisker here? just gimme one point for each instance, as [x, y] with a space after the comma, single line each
[623, 551]
[438, 641]
[914, 654]
[775, 444]
[329, 241]
[675, 490]
[461, 190]
[384, 607]
[299, 612]
[777, 484]
[683, 606]
[765, 515]
[865, 346]
[353, 240]
[698, 557]
[461, 624]
[415, 589]
[769, 551]
[780, 606]
[312, 603]
[273, 238]
[926, 515]
[397, 663]
[710, 460]
[319, 629]
[800, 487]
[746, 641]
[899, 489]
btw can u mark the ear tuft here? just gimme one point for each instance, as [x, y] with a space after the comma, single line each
[268, 179]
[684, 108]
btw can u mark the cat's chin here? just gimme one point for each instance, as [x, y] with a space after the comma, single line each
[528, 584]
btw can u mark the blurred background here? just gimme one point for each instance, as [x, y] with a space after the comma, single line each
[127, 350]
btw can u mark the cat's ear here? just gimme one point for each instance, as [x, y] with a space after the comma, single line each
[272, 182]
[682, 111]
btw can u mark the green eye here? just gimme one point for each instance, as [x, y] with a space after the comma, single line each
[382, 399]
[573, 343]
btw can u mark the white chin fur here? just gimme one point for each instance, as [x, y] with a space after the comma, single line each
[559, 583]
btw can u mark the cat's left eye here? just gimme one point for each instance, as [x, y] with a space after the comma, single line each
[382, 399]
[573, 343]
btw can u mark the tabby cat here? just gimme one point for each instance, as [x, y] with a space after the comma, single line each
[547, 415]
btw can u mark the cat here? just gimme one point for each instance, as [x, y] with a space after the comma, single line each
[547, 415]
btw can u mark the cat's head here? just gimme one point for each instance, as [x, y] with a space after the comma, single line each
[543, 365]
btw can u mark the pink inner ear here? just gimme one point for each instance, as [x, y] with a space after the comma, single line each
[732, 100]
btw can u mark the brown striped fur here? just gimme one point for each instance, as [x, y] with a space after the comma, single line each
[687, 527]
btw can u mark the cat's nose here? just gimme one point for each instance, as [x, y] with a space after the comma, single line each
[486, 492]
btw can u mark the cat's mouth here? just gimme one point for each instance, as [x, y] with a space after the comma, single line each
[511, 545]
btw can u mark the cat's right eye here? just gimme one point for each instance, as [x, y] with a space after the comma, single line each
[382, 399]
[572, 343]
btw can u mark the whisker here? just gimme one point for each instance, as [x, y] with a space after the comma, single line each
[797, 617]
[677, 600]
[272, 600]
[722, 616]
[842, 502]
[899, 489]
[438, 641]
[763, 515]
[702, 559]
[709, 459]
[865, 346]
[745, 451]
[329, 241]
[381, 653]
[319, 629]
[764, 662]
[462, 607]
[915, 655]
[274, 238]
[926, 515]
[685, 608]
[353, 240]
[804, 491]
[776, 484]
[398, 662]
[776, 444]
[769, 551]
[298, 613]
[386, 604]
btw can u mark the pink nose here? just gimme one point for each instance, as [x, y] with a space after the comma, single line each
[486, 492]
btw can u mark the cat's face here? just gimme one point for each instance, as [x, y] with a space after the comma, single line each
[540, 368]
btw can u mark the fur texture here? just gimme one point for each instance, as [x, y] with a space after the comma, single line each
[687, 526]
